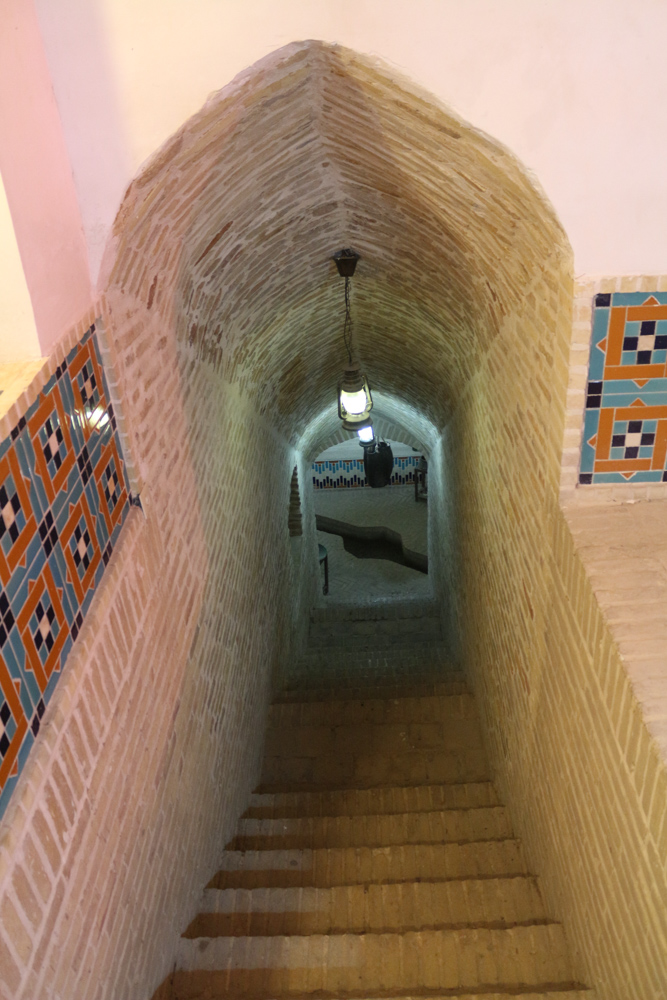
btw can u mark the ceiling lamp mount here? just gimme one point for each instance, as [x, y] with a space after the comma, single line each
[346, 262]
[354, 395]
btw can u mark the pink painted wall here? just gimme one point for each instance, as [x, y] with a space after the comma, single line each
[35, 167]
[575, 88]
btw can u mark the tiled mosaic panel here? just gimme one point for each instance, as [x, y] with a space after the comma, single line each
[349, 473]
[625, 422]
[63, 498]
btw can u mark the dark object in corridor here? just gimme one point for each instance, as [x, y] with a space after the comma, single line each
[373, 543]
[378, 465]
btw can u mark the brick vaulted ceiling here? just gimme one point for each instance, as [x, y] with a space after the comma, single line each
[229, 231]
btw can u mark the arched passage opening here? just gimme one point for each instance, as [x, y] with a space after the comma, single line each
[361, 573]
[223, 310]
[223, 246]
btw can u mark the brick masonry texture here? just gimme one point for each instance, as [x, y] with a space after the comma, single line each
[572, 753]
[217, 320]
[342, 155]
[152, 741]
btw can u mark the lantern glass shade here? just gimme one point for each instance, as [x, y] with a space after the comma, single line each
[354, 400]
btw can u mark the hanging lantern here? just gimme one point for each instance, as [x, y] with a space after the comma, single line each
[354, 395]
[354, 399]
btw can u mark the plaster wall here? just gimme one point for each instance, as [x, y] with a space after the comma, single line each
[37, 176]
[18, 337]
[560, 84]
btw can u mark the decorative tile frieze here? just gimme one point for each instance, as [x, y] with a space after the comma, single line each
[349, 473]
[625, 420]
[63, 498]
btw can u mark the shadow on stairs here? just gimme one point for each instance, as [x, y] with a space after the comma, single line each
[375, 859]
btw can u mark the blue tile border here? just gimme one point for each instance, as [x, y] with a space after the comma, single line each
[348, 473]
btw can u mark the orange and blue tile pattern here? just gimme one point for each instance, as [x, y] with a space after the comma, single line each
[625, 421]
[63, 499]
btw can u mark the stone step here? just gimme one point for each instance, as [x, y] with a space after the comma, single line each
[383, 659]
[301, 689]
[363, 624]
[199, 986]
[372, 770]
[379, 611]
[358, 753]
[350, 713]
[368, 908]
[436, 827]
[458, 733]
[360, 802]
[466, 959]
[357, 635]
[325, 867]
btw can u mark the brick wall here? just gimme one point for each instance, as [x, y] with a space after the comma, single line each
[153, 738]
[574, 759]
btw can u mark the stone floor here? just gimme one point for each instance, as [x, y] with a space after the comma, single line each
[353, 580]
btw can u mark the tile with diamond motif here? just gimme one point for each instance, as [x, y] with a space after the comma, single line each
[63, 499]
[81, 547]
[625, 421]
[14, 725]
[111, 486]
[52, 444]
[43, 627]
[17, 521]
[89, 391]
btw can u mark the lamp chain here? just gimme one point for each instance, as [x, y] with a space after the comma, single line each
[347, 326]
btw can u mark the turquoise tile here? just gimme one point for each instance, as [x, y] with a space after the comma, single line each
[637, 298]
[629, 388]
[638, 477]
[55, 676]
[6, 793]
[26, 747]
[14, 656]
[58, 567]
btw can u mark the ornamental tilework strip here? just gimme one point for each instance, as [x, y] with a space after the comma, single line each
[625, 421]
[63, 499]
[349, 473]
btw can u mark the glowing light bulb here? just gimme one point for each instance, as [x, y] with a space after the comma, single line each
[354, 402]
[365, 435]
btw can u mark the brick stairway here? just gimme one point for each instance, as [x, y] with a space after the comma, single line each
[375, 859]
